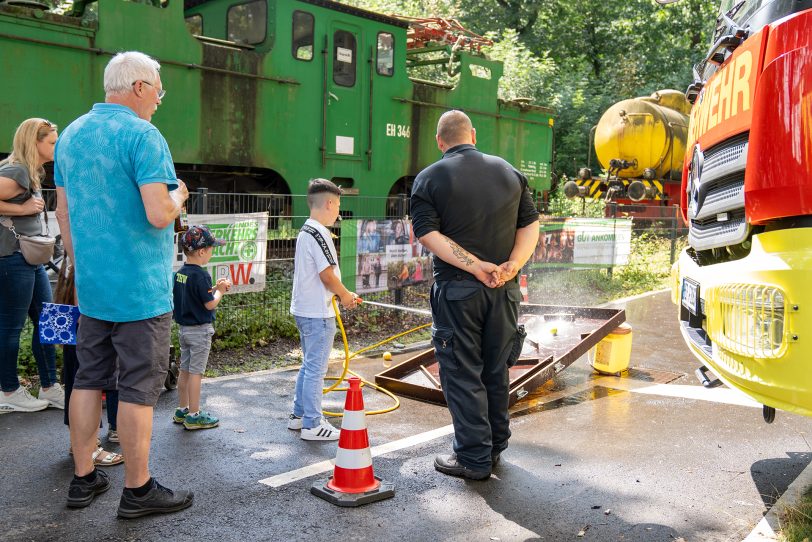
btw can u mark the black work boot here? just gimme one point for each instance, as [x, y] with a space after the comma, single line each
[158, 500]
[81, 492]
[447, 464]
[495, 460]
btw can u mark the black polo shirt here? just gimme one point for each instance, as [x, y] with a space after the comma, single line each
[475, 199]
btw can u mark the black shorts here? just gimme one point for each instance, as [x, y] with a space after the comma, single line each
[133, 356]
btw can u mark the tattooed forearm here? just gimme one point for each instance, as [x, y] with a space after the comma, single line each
[461, 254]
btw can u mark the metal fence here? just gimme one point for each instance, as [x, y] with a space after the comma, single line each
[247, 315]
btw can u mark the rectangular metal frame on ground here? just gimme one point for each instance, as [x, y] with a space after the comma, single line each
[556, 337]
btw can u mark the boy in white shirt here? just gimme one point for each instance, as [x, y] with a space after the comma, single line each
[316, 279]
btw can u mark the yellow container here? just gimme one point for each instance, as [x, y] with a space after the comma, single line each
[612, 354]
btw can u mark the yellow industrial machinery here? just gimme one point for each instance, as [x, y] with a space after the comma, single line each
[640, 144]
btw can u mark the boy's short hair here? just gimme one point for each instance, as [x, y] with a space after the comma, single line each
[320, 186]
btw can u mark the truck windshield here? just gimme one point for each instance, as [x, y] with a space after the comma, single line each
[755, 14]
[745, 11]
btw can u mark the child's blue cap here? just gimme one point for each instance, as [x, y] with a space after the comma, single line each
[197, 237]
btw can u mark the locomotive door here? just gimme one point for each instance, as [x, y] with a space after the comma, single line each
[344, 93]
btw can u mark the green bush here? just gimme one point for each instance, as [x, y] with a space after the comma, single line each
[561, 206]
[26, 364]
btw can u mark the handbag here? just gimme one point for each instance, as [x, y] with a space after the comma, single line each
[58, 323]
[36, 249]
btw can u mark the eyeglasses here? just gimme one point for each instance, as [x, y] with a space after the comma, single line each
[161, 93]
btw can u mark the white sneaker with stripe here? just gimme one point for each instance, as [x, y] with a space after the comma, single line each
[294, 422]
[323, 431]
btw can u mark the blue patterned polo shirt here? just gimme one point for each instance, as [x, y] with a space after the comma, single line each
[123, 263]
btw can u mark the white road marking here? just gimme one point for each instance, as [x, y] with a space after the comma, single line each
[727, 396]
[285, 478]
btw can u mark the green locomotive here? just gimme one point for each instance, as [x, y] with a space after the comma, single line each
[263, 95]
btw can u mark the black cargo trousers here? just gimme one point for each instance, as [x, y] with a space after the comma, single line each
[474, 331]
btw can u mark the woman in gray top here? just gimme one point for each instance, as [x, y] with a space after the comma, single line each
[25, 287]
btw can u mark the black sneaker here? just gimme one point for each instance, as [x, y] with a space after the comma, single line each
[158, 500]
[447, 464]
[81, 493]
[495, 460]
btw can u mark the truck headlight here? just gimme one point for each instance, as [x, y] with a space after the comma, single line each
[750, 319]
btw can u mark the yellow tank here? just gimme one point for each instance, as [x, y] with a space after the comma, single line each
[648, 133]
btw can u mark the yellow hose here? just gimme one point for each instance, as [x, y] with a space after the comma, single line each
[346, 369]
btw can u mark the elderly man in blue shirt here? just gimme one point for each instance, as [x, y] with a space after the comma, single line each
[117, 199]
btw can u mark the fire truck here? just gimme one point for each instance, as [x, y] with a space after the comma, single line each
[741, 286]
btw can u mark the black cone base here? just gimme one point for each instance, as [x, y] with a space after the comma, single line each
[338, 498]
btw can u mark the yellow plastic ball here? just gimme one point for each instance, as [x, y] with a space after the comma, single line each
[387, 356]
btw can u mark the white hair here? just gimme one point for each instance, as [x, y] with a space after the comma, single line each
[126, 68]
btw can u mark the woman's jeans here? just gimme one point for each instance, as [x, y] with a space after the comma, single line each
[23, 290]
[316, 335]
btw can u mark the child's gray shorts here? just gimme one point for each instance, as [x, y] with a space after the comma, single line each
[195, 344]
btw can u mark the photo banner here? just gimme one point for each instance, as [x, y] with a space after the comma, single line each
[583, 242]
[242, 259]
[388, 256]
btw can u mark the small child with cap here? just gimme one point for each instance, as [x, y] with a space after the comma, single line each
[195, 301]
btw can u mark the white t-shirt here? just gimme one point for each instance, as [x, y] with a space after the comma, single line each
[311, 298]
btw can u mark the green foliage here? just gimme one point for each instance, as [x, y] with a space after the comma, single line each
[649, 265]
[529, 75]
[796, 520]
[561, 206]
[254, 318]
[26, 364]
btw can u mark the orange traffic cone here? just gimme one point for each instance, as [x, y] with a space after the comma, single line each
[523, 287]
[353, 482]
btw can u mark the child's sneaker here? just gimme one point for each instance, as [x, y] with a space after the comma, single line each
[294, 422]
[323, 431]
[180, 415]
[201, 420]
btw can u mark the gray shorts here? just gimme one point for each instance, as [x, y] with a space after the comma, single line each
[133, 356]
[195, 345]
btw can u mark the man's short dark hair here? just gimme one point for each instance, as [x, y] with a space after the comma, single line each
[320, 186]
[454, 127]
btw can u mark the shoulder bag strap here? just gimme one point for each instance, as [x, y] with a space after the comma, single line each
[8, 223]
[325, 248]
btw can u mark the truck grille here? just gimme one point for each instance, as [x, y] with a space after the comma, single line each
[720, 189]
[711, 233]
[747, 319]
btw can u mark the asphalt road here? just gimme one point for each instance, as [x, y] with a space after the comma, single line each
[651, 456]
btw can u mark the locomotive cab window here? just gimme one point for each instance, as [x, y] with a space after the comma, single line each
[302, 35]
[194, 24]
[247, 22]
[344, 58]
[386, 54]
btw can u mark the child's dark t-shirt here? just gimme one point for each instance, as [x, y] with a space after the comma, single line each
[191, 291]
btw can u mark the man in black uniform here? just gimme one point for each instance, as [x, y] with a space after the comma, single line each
[472, 211]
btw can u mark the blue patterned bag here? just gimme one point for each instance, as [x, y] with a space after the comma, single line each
[57, 323]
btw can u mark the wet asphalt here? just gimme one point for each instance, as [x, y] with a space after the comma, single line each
[612, 458]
